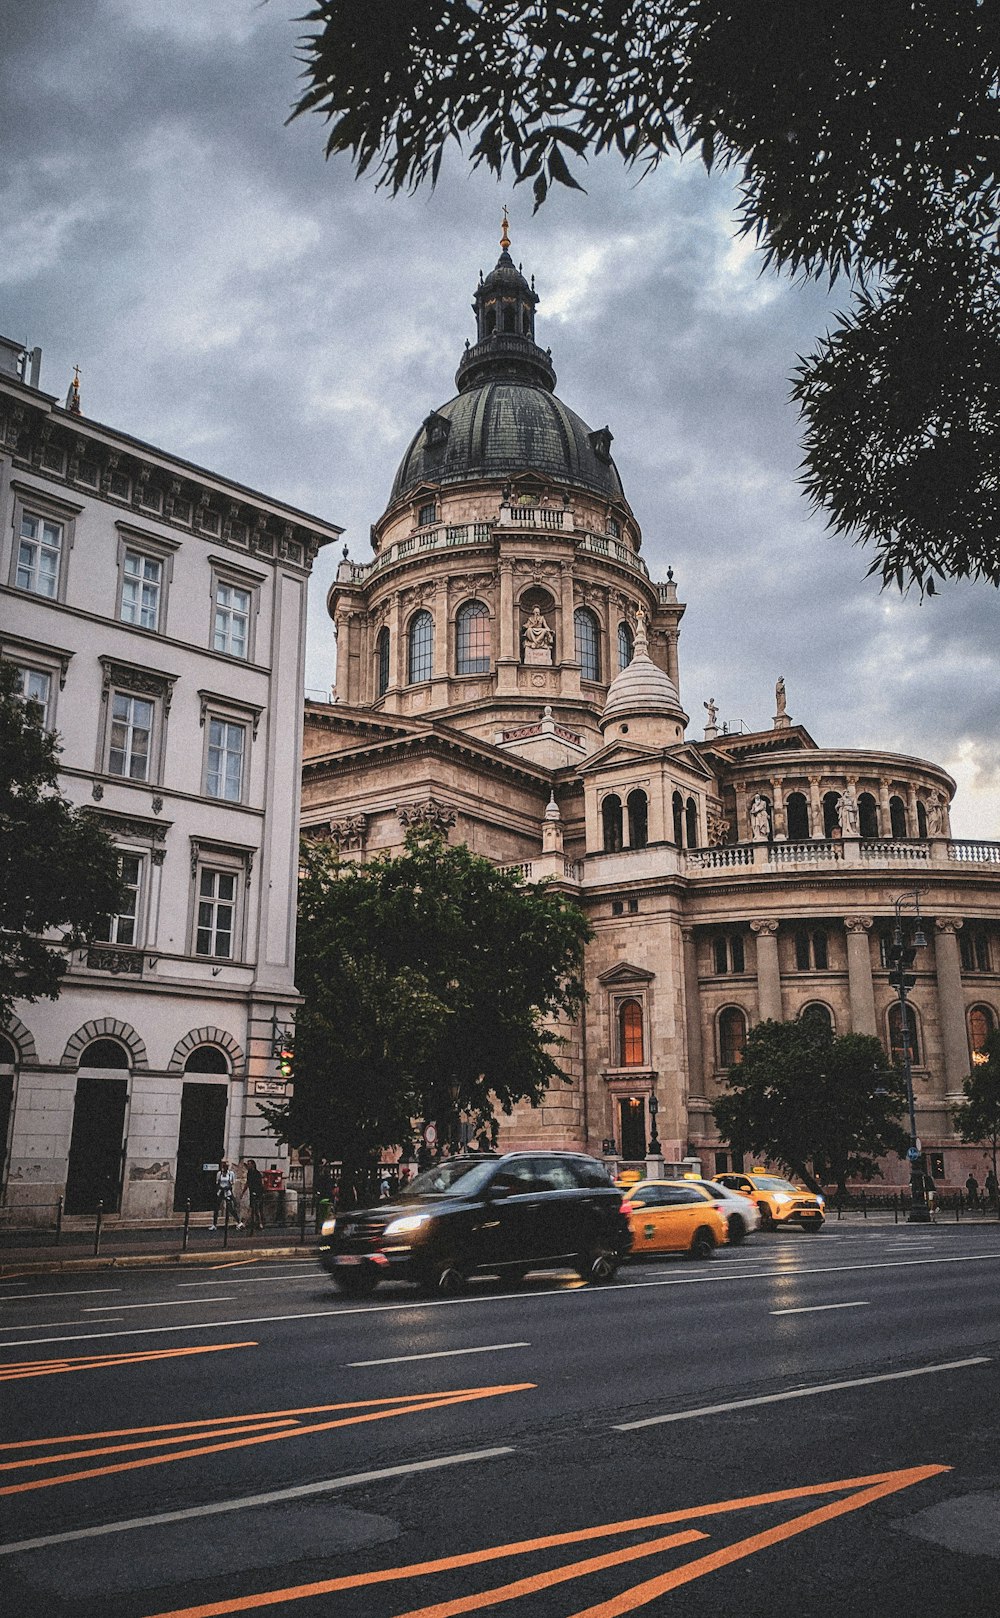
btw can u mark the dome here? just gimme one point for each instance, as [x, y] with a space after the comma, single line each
[641, 689]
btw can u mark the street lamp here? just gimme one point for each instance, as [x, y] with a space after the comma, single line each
[902, 979]
[655, 1149]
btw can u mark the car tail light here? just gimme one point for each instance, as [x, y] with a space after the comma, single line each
[720, 1207]
[628, 1209]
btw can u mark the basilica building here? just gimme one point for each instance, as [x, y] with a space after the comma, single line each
[508, 670]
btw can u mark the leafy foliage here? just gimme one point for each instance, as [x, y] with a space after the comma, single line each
[426, 980]
[58, 869]
[977, 1118]
[866, 140]
[804, 1096]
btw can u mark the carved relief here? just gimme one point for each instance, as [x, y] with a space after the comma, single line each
[718, 829]
[858, 924]
[948, 924]
[429, 812]
[764, 929]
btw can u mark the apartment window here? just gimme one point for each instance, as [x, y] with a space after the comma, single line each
[728, 953]
[974, 945]
[231, 622]
[224, 766]
[131, 736]
[35, 685]
[39, 555]
[215, 933]
[123, 928]
[631, 1045]
[142, 585]
[811, 952]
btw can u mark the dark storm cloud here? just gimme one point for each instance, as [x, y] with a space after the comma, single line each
[230, 295]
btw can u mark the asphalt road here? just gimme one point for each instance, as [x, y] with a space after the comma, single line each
[807, 1424]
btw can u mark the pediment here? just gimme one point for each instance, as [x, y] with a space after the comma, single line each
[688, 756]
[620, 754]
[624, 972]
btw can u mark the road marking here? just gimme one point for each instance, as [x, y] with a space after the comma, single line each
[274, 1497]
[865, 1491]
[799, 1393]
[576, 1290]
[820, 1308]
[35, 1325]
[256, 1281]
[18, 1370]
[167, 1303]
[87, 1292]
[439, 1354]
[362, 1410]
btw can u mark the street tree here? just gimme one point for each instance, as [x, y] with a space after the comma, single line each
[865, 141]
[432, 982]
[59, 877]
[827, 1106]
[977, 1118]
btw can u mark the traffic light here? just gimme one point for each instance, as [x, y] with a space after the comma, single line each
[286, 1056]
[901, 959]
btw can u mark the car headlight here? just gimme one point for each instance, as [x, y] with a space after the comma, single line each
[781, 1196]
[398, 1227]
[327, 1227]
[821, 1201]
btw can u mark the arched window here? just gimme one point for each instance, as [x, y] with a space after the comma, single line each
[631, 1047]
[207, 1059]
[588, 643]
[677, 805]
[104, 1053]
[982, 1023]
[816, 1012]
[831, 819]
[732, 1036]
[797, 815]
[921, 818]
[867, 815]
[491, 322]
[897, 817]
[509, 317]
[638, 819]
[472, 638]
[626, 645]
[691, 823]
[896, 1033]
[611, 820]
[382, 663]
[420, 652]
[8, 1055]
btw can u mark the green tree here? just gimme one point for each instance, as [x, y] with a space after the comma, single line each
[825, 1105]
[977, 1118]
[866, 142]
[429, 982]
[58, 870]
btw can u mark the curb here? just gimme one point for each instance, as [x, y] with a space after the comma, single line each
[145, 1261]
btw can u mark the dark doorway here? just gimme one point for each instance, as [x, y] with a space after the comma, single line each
[201, 1140]
[6, 1107]
[96, 1151]
[632, 1112]
[797, 815]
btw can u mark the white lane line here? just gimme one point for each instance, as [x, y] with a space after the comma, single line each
[274, 1497]
[253, 1280]
[579, 1290]
[33, 1325]
[85, 1292]
[798, 1393]
[440, 1354]
[168, 1303]
[820, 1308]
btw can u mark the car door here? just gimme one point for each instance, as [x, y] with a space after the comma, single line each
[507, 1225]
[566, 1225]
[652, 1219]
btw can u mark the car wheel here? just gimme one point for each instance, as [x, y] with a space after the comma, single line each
[448, 1278]
[737, 1230]
[598, 1266]
[702, 1243]
[812, 1225]
[356, 1281]
[766, 1221]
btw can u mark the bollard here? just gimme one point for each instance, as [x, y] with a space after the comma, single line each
[302, 1219]
[225, 1227]
[97, 1228]
[895, 1209]
[187, 1222]
[59, 1214]
[864, 1205]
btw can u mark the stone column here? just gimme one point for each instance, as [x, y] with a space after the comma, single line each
[768, 972]
[951, 1003]
[885, 813]
[673, 666]
[778, 826]
[567, 640]
[397, 651]
[508, 640]
[442, 630]
[911, 810]
[859, 975]
[692, 1015]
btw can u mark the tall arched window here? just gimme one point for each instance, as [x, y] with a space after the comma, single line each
[631, 1047]
[797, 817]
[588, 643]
[382, 663]
[896, 1034]
[677, 812]
[626, 645]
[472, 638]
[638, 819]
[611, 821]
[816, 1012]
[982, 1023]
[732, 1036]
[921, 818]
[104, 1053]
[831, 817]
[867, 815]
[207, 1059]
[897, 817]
[420, 650]
[691, 823]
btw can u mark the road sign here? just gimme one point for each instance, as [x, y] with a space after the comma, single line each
[913, 1153]
[431, 1134]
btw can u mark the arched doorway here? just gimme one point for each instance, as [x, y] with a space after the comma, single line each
[201, 1140]
[868, 815]
[797, 817]
[611, 823]
[97, 1144]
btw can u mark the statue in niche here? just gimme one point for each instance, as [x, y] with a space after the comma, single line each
[538, 638]
[760, 819]
[847, 812]
[935, 818]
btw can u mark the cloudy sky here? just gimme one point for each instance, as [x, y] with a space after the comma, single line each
[233, 297]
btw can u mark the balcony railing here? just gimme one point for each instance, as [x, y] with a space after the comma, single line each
[614, 550]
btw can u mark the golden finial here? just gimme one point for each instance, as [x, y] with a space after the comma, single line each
[504, 238]
[73, 397]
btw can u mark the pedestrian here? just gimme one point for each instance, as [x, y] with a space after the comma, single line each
[972, 1190]
[255, 1191]
[225, 1195]
[991, 1186]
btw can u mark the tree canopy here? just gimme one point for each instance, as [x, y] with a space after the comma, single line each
[977, 1118]
[58, 869]
[430, 981]
[825, 1105]
[866, 140]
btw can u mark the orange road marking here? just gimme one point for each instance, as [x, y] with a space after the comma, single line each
[866, 1489]
[143, 1443]
[430, 1402]
[17, 1370]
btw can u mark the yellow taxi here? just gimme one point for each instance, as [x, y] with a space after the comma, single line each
[673, 1216]
[779, 1201]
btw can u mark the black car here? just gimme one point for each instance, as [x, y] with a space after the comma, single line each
[505, 1215]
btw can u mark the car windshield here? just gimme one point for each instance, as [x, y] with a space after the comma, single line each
[455, 1178]
[768, 1182]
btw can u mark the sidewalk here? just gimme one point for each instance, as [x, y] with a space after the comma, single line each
[27, 1252]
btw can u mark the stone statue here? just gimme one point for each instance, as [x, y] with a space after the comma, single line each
[935, 818]
[712, 708]
[779, 696]
[537, 634]
[847, 812]
[760, 819]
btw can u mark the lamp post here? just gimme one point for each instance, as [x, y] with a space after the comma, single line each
[654, 1149]
[902, 979]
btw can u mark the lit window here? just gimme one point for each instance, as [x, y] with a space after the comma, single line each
[420, 662]
[982, 1024]
[131, 736]
[123, 927]
[38, 555]
[631, 1049]
[231, 625]
[142, 582]
[588, 649]
[216, 929]
[472, 625]
[224, 772]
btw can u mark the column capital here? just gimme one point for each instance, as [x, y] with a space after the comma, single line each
[858, 924]
[764, 929]
[948, 924]
[687, 933]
